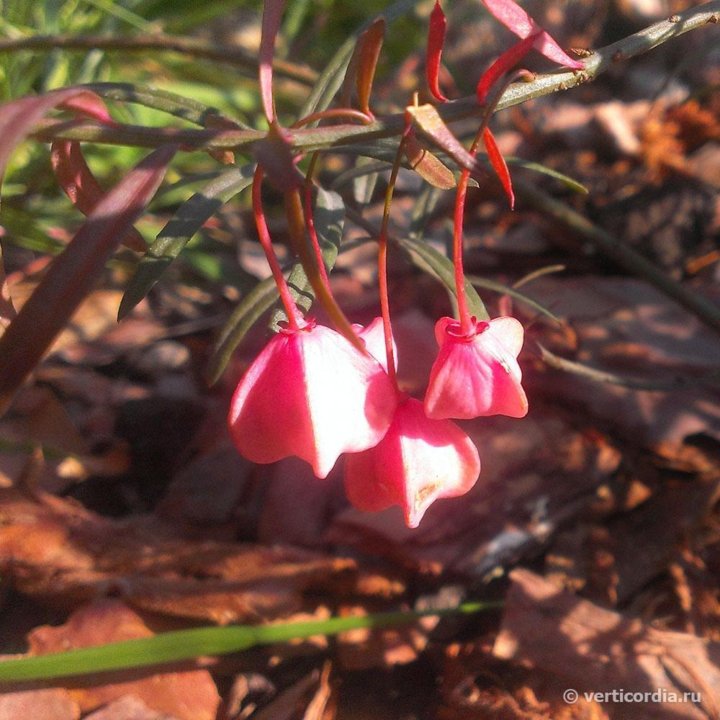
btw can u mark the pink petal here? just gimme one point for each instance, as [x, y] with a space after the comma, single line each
[311, 394]
[373, 334]
[515, 19]
[477, 375]
[417, 462]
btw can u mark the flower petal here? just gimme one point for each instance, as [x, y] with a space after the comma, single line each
[311, 394]
[417, 462]
[477, 375]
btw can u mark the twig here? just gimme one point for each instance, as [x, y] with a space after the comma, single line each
[323, 138]
[707, 311]
[602, 376]
[230, 54]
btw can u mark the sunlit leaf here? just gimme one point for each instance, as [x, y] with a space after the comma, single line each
[427, 165]
[78, 182]
[171, 240]
[75, 271]
[429, 260]
[435, 42]
[427, 119]
[499, 165]
[506, 62]
[515, 19]
[369, 46]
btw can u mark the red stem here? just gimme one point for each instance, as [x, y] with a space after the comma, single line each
[295, 319]
[382, 262]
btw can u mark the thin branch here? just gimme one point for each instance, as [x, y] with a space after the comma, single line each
[323, 138]
[627, 258]
[229, 54]
[602, 376]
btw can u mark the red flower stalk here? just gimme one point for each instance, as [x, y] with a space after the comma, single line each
[476, 373]
[311, 394]
[436, 40]
[417, 462]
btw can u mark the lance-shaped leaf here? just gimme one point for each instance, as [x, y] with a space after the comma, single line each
[427, 119]
[515, 19]
[369, 47]
[250, 309]
[272, 14]
[436, 40]
[499, 165]
[429, 260]
[172, 239]
[329, 217]
[506, 62]
[78, 182]
[427, 165]
[17, 118]
[73, 273]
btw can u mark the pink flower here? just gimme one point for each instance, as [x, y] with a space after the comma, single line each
[310, 393]
[418, 461]
[477, 373]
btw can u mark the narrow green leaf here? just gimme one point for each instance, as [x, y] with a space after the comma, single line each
[429, 260]
[425, 203]
[505, 290]
[187, 644]
[163, 100]
[329, 216]
[566, 180]
[171, 240]
[251, 308]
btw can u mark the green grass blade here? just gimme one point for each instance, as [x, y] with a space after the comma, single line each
[188, 644]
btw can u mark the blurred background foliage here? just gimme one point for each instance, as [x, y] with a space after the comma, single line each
[36, 215]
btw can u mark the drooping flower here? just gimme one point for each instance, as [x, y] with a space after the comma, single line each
[476, 373]
[311, 394]
[417, 462]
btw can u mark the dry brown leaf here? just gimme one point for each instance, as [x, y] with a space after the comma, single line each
[61, 553]
[591, 649]
[187, 695]
[46, 704]
[128, 707]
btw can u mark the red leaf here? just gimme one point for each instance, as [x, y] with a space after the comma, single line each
[506, 62]
[436, 40]
[74, 272]
[79, 184]
[499, 165]
[370, 44]
[272, 14]
[18, 117]
[514, 18]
